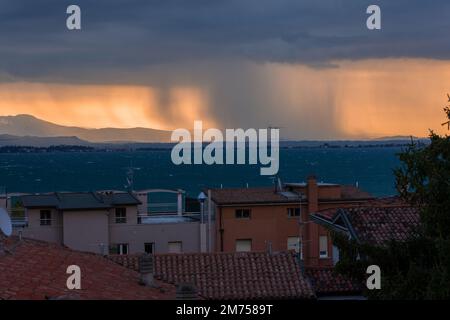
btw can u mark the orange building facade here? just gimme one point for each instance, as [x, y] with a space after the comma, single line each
[278, 218]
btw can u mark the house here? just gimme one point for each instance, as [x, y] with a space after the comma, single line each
[36, 270]
[109, 221]
[231, 276]
[255, 219]
[375, 224]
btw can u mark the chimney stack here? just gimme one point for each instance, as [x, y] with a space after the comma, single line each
[146, 269]
[312, 194]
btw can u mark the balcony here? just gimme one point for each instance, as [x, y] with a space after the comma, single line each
[167, 218]
[21, 222]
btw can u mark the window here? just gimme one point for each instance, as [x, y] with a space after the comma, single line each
[243, 214]
[244, 245]
[121, 215]
[149, 247]
[175, 247]
[122, 248]
[294, 243]
[46, 218]
[323, 247]
[293, 212]
[119, 248]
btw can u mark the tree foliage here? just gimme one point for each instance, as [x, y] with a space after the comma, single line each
[418, 268]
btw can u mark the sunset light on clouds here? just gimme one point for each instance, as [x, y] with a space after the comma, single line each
[160, 65]
[362, 99]
[97, 106]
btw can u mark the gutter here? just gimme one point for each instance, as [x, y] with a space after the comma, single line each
[272, 203]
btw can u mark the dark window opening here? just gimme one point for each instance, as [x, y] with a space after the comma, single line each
[46, 218]
[243, 214]
[293, 212]
[149, 248]
[121, 215]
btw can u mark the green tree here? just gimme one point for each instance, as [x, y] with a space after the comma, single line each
[420, 267]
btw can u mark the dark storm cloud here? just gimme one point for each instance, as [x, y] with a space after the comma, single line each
[135, 34]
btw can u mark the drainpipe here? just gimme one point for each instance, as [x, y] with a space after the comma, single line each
[180, 203]
[221, 229]
[203, 241]
[209, 222]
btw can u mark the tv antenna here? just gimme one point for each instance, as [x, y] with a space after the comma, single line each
[130, 178]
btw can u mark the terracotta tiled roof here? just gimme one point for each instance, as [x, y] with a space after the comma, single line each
[394, 201]
[327, 282]
[376, 225]
[37, 270]
[249, 195]
[268, 195]
[327, 214]
[250, 275]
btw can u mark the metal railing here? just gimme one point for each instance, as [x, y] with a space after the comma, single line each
[19, 222]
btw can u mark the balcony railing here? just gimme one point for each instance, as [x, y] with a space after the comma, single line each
[167, 218]
[19, 222]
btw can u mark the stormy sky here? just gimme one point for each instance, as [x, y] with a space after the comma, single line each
[309, 66]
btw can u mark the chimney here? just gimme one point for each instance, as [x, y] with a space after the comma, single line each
[186, 291]
[312, 194]
[146, 269]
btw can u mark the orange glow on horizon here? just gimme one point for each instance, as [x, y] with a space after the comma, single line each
[358, 99]
[367, 98]
[100, 106]
[390, 97]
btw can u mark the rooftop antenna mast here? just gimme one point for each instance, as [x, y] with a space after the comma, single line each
[130, 178]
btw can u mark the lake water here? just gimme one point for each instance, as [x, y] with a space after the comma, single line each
[44, 172]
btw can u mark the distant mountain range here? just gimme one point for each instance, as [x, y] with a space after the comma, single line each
[32, 127]
[26, 130]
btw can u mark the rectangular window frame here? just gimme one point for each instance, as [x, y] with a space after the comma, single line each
[123, 249]
[296, 211]
[243, 214]
[120, 215]
[323, 254]
[248, 240]
[173, 242]
[45, 217]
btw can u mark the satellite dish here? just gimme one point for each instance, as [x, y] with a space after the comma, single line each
[5, 223]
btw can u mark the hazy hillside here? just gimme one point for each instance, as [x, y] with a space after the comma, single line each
[9, 140]
[26, 125]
